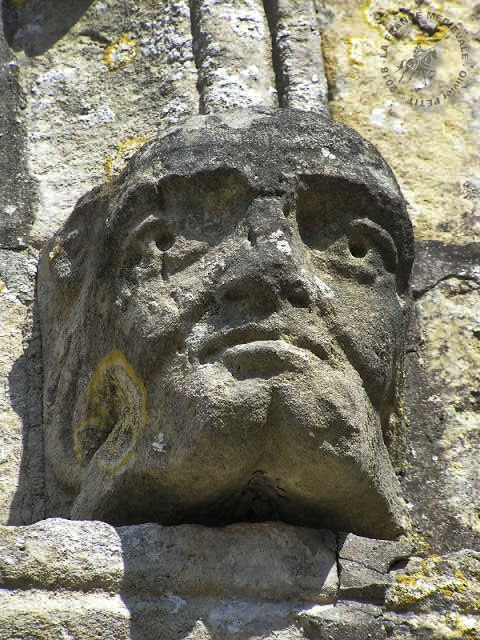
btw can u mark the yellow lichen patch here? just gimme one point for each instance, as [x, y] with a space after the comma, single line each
[358, 49]
[121, 53]
[2, 286]
[421, 545]
[433, 580]
[468, 627]
[117, 413]
[116, 162]
[410, 589]
[370, 16]
[386, 19]
[19, 3]
[473, 607]
[54, 252]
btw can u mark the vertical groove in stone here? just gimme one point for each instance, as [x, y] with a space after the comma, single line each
[297, 54]
[197, 49]
[271, 12]
[16, 187]
[233, 54]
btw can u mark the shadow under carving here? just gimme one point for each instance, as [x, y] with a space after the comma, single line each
[25, 391]
[35, 26]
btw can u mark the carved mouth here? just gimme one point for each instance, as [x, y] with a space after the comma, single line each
[252, 349]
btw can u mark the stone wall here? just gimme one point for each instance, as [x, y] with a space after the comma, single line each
[81, 91]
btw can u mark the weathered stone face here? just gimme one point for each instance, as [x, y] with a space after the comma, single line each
[223, 330]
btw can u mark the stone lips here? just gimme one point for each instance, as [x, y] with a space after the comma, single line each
[113, 280]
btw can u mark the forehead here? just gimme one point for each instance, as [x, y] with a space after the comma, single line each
[226, 161]
[268, 150]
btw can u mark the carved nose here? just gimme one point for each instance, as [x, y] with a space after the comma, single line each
[251, 293]
[269, 274]
[265, 284]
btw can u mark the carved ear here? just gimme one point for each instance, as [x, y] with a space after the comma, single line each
[116, 415]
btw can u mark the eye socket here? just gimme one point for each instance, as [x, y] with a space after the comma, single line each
[365, 235]
[357, 250]
[144, 243]
[164, 239]
[151, 230]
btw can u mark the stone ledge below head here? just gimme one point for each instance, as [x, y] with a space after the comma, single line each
[41, 615]
[270, 562]
[86, 580]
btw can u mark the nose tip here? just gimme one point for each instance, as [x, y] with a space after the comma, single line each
[264, 287]
[271, 272]
[251, 294]
[296, 291]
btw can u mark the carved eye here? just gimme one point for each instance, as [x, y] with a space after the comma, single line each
[164, 239]
[365, 236]
[153, 236]
[151, 231]
[357, 250]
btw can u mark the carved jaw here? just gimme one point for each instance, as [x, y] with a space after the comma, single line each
[255, 452]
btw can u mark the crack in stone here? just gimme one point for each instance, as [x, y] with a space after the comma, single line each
[364, 565]
[450, 276]
[339, 568]
[271, 12]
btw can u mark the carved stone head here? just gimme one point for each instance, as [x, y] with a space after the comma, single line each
[223, 330]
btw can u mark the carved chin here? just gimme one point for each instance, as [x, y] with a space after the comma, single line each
[283, 435]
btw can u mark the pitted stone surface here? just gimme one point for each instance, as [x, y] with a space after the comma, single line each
[247, 581]
[364, 566]
[233, 54]
[59, 554]
[87, 578]
[345, 621]
[99, 79]
[17, 195]
[297, 55]
[230, 380]
[378, 555]
[243, 561]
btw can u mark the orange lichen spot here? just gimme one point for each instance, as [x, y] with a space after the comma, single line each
[116, 162]
[121, 53]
